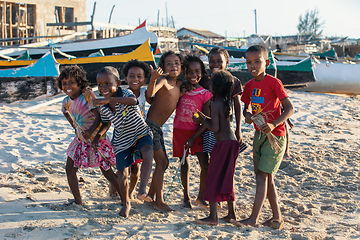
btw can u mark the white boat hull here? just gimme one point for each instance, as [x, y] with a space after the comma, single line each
[336, 77]
[122, 44]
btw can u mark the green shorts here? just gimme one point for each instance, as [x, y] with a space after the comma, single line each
[264, 157]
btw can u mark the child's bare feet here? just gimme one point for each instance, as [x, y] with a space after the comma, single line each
[207, 221]
[267, 222]
[228, 218]
[245, 222]
[144, 197]
[187, 204]
[112, 191]
[131, 196]
[73, 201]
[162, 207]
[124, 212]
[202, 203]
[276, 224]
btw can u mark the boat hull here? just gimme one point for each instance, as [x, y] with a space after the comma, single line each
[26, 88]
[84, 48]
[93, 64]
[31, 81]
[336, 77]
[292, 75]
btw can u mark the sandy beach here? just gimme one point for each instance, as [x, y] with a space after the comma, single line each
[319, 186]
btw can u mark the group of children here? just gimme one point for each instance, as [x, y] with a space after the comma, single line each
[205, 107]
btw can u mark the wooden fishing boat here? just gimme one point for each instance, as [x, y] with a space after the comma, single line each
[328, 55]
[84, 48]
[292, 74]
[336, 77]
[93, 64]
[233, 51]
[29, 82]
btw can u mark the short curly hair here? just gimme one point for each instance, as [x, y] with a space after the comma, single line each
[165, 55]
[136, 63]
[73, 71]
[260, 49]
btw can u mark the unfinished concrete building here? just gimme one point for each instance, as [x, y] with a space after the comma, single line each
[25, 21]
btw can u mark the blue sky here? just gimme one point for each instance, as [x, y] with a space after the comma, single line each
[235, 18]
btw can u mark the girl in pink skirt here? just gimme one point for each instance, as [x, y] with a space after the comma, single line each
[90, 148]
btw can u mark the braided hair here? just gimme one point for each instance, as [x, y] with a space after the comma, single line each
[222, 83]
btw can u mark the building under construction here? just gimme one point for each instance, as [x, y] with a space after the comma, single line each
[26, 21]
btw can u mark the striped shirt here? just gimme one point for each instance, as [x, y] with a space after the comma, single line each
[129, 124]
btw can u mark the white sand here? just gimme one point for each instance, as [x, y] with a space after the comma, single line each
[318, 188]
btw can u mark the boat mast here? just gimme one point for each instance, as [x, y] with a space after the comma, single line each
[255, 22]
[112, 9]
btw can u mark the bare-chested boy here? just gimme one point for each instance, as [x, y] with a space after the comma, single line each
[163, 104]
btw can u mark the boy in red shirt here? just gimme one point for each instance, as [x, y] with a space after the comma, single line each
[265, 94]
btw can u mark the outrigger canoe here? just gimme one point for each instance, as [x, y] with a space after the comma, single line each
[29, 82]
[83, 48]
[93, 64]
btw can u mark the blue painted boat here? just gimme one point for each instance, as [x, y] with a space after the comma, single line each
[25, 83]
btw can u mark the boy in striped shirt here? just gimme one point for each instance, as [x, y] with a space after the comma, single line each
[130, 132]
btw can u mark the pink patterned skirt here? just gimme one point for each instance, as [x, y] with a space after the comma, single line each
[85, 156]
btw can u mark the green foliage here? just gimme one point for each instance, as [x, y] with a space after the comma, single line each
[310, 23]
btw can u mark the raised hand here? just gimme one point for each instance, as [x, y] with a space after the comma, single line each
[157, 73]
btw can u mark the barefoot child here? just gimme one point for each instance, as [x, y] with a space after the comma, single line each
[90, 147]
[218, 60]
[219, 184]
[136, 73]
[265, 94]
[164, 95]
[130, 132]
[186, 132]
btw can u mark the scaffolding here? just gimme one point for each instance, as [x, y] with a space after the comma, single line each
[17, 21]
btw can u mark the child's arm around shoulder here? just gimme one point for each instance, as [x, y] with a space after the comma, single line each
[130, 100]
[206, 110]
[154, 85]
[288, 111]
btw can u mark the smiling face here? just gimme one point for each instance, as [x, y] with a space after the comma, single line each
[172, 65]
[193, 73]
[256, 64]
[135, 78]
[71, 87]
[107, 84]
[217, 61]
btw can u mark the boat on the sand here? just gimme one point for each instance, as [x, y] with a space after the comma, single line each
[29, 82]
[93, 64]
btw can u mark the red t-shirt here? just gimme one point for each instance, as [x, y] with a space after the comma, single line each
[265, 96]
